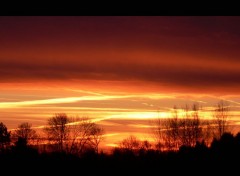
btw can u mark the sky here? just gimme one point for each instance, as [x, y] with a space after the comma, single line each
[121, 71]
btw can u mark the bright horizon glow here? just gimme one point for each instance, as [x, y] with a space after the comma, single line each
[111, 111]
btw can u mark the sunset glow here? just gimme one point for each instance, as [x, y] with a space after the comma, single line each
[121, 72]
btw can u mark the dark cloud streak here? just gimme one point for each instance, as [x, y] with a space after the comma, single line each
[160, 74]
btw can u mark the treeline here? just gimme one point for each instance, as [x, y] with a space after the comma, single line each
[78, 135]
[185, 127]
[182, 141]
[219, 158]
[61, 134]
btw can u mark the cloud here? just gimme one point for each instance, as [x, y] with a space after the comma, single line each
[181, 75]
[177, 52]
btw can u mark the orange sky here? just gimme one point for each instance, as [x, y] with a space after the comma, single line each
[120, 70]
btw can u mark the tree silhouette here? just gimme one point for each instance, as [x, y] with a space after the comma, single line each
[190, 127]
[172, 132]
[57, 130]
[96, 133]
[4, 136]
[158, 132]
[24, 132]
[130, 143]
[146, 145]
[221, 117]
[83, 135]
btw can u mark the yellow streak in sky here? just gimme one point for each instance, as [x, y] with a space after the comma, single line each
[111, 134]
[135, 115]
[112, 145]
[232, 101]
[141, 126]
[57, 101]
[97, 97]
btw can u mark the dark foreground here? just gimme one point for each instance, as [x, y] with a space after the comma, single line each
[184, 162]
[221, 158]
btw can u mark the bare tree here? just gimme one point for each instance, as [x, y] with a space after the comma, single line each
[4, 136]
[175, 131]
[130, 143]
[165, 132]
[172, 131]
[190, 128]
[74, 135]
[145, 145]
[184, 132]
[96, 136]
[57, 130]
[84, 134]
[221, 115]
[157, 132]
[135, 145]
[196, 124]
[25, 132]
[207, 131]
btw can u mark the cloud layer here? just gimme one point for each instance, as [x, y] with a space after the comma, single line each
[187, 52]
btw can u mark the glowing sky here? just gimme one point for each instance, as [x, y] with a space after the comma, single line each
[121, 71]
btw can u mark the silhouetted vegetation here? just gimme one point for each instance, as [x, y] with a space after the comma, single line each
[182, 146]
[186, 127]
[24, 134]
[4, 137]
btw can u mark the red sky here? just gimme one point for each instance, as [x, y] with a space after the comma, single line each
[129, 59]
[177, 51]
